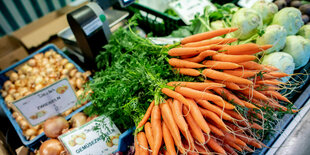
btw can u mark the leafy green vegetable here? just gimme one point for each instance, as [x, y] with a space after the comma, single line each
[133, 72]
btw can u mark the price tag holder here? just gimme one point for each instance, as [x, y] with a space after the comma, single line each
[47, 102]
[187, 9]
[99, 136]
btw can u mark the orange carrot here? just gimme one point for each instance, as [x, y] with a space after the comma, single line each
[214, 109]
[187, 71]
[207, 35]
[210, 42]
[229, 149]
[271, 67]
[249, 140]
[271, 82]
[198, 117]
[211, 115]
[251, 125]
[146, 115]
[233, 58]
[193, 126]
[235, 115]
[149, 134]
[201, 56]
[169, 143]
[244, 73]
[171, 125]
[249, 105]
[184, 64]
[278, 74]
[137, 148]
[225, 77]
[196, 94]
[247, 149]
[229, 85]
[188, 51]
[215, 130]
[220, 64]
[187, 147]
[253, 93]
[175, 95]
[242, 49]
[276, 95]
[215, 146]
[156, 129]
[251, 65]
[176, 108]
[266, 87]
[228, 95]
[234, 139]
[202, 150]
[195, 85]
[189, 139]
[234, 145]
[142, 144]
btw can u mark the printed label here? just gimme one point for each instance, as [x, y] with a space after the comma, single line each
[50, 101]
[99, 136]
[92, 26]
[187, 9]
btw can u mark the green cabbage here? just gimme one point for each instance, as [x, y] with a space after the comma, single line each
[290, 19]
[247, 20]
[266, 10]
[305, 31]
[274, 35]
[281, 60]
[299, 48]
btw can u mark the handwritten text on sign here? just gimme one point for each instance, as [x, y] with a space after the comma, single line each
[50, 101]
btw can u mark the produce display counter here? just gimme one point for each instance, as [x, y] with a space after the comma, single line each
[295, 138]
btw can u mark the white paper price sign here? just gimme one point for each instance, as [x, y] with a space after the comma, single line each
[187, 9]
[50, 101]
[98, 136]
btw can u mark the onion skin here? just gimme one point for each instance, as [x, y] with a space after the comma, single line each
[54, 126]
[51, 147]
[78, 119]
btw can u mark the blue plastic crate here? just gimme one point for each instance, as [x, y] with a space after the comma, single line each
[34, 143]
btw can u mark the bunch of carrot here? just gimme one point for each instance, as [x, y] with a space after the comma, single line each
[201, 117]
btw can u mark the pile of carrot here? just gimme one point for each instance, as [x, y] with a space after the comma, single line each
[201, 117]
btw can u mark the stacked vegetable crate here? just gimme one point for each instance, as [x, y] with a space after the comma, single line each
[35, 141]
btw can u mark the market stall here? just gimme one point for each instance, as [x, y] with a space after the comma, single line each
[179, 77]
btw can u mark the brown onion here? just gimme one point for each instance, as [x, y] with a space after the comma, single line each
[51, 147]
[54, 126]
[78, 119]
